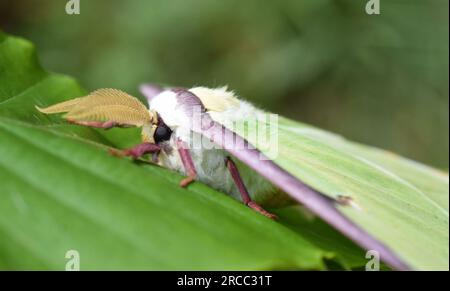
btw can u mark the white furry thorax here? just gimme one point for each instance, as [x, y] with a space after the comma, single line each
[223, 106]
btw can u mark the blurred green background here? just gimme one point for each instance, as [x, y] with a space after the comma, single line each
[377, 79]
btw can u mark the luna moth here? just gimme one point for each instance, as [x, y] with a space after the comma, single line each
[178, 116]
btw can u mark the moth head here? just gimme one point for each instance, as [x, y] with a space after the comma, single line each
[156, 131]
[110, 105]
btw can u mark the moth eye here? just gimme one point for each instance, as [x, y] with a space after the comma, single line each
[162, 133]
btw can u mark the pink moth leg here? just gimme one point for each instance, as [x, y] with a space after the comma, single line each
[246, 199]
[188, 164]
[134, 152]
[138, 151]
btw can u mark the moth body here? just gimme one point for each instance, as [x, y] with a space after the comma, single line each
[209, 161]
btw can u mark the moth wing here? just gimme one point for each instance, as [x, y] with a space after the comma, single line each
[375, 190]
[323, 206]
[103, 105]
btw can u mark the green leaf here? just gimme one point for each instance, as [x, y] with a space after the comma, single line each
[60, 191]
[119, 216]
[400, 202]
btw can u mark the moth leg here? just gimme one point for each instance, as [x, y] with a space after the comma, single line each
[138, 151]
[97, 124]
[188, 164]
[246, 199]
